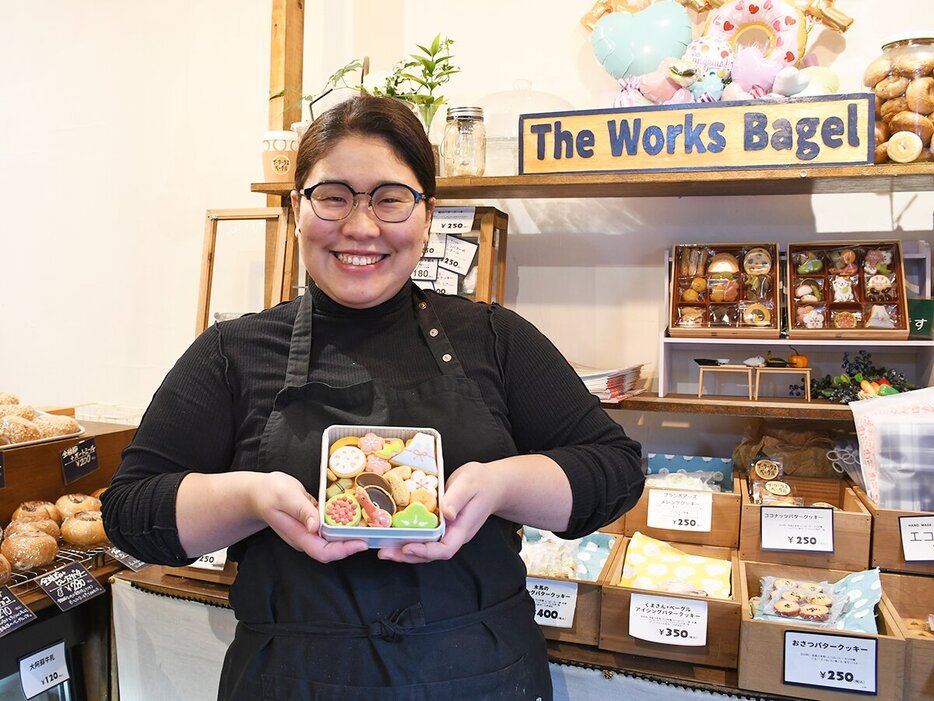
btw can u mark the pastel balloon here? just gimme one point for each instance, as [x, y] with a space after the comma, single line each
[823, 76]
[633, 43]
[733, 93]
[711, 54]
[789, 81]
[657, 86]
[709, 85]
[751, 68]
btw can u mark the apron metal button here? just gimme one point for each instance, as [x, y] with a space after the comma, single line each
[433, 332]
[423, 305]
[446, 357]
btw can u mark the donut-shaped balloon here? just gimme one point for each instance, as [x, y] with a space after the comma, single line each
[779, 20]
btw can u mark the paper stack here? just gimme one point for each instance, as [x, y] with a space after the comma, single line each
[611, 385]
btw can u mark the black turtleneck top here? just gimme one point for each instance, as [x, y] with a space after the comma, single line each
[210, 411]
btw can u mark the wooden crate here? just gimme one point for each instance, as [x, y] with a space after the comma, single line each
[913, 597]
[224, 576]
[741, 312]
[723, 616]
[724, 522]
[852, 525]
[887, 553]
[586, 628]
[761, 656]
[34, 472]
[862, 304]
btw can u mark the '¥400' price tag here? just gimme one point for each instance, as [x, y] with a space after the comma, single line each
[839, 662]
[212, 561]
[668, 620]
[555, 601]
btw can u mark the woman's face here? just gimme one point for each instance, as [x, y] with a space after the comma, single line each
[360, 261]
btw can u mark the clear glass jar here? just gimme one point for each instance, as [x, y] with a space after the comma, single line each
[902, 79]
[463, 147]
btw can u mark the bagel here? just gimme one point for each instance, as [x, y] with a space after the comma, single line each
[919, 96]
[913, 122]
[891, 87]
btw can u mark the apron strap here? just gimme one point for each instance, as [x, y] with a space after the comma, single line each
[296, 373]
[435, 337]
[398, 624]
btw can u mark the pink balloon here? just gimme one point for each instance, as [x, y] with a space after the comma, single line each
[751, 68]
[657, 86]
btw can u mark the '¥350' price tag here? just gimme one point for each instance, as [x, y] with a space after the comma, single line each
[668, 620]
[555, 601]
[212, 561]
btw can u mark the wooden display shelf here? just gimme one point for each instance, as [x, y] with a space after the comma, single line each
[887, 552]
[38, 599]
[916, 177]
[736, 406]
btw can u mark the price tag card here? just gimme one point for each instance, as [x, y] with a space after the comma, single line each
[667, 620]
[126, 559]
[425, 271]
[435, 247]
[680, 510]
[446, 283]
[838, 662]
[809, 529]
[214, 561]
[13, 612]
[42, 670]
[424, 285]
[555, 601]
[452, 220]
[458, 255]
[917, 537]
[70, 585]
[79, 460]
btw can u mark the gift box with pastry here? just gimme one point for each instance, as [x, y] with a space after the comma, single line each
[382, 484]
[847, 290]
[725, 290]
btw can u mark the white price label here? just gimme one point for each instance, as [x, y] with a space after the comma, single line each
[917, 537]
[212, 561]
[425, 271]
[424, 284]
[680, 510]
[42, 670]
[452, 220]
[435, 247]
[808, 529]
[555, 601]
[667, 620]
[446, 283]
[838, 662]
[458, 255]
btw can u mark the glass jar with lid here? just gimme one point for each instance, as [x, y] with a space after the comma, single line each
[902, 79]
[463, 147]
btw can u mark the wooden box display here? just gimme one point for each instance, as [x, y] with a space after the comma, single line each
[761, 657]
[725, 289]
[912, 600]
[586, 628]
[723, 615]
[851, 526]
[34, 472]
[847, 290]
[887, 552]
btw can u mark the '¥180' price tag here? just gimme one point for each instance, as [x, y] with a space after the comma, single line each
[668, 620]
[839, 662]
[212, 561]
[555, 601]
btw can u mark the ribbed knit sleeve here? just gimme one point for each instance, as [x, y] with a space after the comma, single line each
[551, 412]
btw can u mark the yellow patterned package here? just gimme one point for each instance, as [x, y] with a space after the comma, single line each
[655, 565]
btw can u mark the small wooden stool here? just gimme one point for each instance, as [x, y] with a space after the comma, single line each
[724, 368]
[798, 371]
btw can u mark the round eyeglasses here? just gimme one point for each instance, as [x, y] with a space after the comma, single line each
[390, 202]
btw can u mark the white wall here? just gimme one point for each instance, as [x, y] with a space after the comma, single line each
[123, 122]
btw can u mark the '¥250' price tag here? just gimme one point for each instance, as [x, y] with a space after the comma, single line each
[212, 561]
[680, 509]
[808, 529]
[839, 662]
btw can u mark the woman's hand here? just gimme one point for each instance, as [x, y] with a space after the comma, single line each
[293, 514]
[471, 496]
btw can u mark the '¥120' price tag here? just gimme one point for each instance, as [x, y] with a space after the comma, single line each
[212, 561]
[555, 601]
[839, 662]
[43, 670]
[668, 620]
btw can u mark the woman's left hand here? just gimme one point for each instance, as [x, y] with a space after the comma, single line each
[471, 496]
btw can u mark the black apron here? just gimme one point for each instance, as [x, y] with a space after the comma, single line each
[363, 628]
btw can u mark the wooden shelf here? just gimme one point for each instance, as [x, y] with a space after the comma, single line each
[736, 406]
[881, 179]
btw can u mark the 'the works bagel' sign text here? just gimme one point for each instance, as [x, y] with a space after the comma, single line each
[817, 131]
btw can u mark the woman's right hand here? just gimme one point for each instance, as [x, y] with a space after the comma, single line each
[285, 505]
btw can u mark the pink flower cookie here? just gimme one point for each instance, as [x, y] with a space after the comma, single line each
[421, 480]
[370, 443]
[376, 464]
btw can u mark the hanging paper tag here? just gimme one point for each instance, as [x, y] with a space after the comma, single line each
[458, 255]
[838, 662]
[13, 612]
[667, 620]
[452, 220]
[44, 669]
[446, 283]
[126, 559]
[917, 537]
[79, 460]
[555, 601]
[424, 285]
[435, 247]
[808, 529]
[70, 585]
[425, 271]
[680, 510]
[212, 561]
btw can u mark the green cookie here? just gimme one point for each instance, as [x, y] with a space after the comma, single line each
[415, 515]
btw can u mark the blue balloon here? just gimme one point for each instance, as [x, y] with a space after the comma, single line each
[634, 43]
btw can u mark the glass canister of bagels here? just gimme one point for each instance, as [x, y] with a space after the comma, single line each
[902, 79]
[464, 145]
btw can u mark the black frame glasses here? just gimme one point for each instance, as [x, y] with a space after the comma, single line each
[394, 215]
